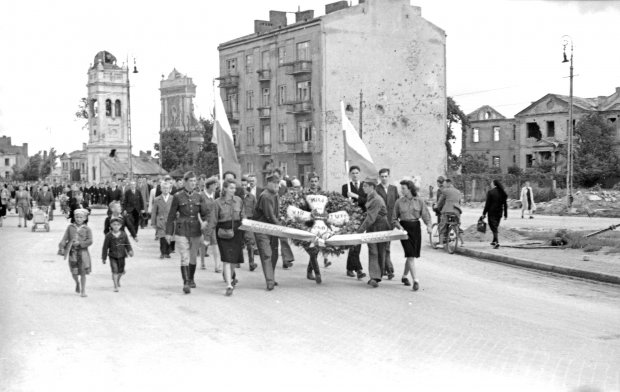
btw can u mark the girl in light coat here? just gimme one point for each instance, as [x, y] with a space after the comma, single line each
[527, 200]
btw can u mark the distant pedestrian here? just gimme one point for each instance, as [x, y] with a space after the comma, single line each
[496, 206]
[159, 214]
[408, 211]
[116, 246]
[23, 204]
[74, 247]
[527, 200]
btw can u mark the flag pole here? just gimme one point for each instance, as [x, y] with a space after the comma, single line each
[346, 159]
[215, 129]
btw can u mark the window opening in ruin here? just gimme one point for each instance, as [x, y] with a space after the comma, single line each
[533, 130]
[495, 161]
[476, 135]
[265, 63]
[545, 155]
[487, 115]
[529, 160]
[550, 128]
[514, 132]
[304, 130]
[496, 134]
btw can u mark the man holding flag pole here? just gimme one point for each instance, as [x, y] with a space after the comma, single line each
[355, 151]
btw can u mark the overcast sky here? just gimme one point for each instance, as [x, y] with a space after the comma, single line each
[502, 53]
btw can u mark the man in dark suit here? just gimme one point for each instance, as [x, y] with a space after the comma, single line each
[45, 198]
[132, 204]
[357, 194]
[254, 189]
[449, 199]
[389, 194]
[114, 194]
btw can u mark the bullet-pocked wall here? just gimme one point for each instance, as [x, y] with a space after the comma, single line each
[397, 59]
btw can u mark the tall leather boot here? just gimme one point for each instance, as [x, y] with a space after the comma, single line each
[185, 274]
[192, 271]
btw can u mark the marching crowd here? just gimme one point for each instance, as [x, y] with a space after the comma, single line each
[192, 216]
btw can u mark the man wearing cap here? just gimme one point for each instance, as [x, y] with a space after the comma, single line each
[389, 194]
[267, 210]
[449, 199]
[376, 220]
[192, 213]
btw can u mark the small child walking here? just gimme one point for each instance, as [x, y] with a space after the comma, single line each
[116, 246]
[74, 247]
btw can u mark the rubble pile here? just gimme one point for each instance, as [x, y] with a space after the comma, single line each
[471, 234]
[604, 203]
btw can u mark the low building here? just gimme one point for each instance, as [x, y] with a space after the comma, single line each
[11, 156]
[493, 136]
[74, 165]
[537, 133]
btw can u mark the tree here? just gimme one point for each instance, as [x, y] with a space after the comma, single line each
[455, 116]
[206, 160]
[474, 164]
[31, 171]
[174, 150]
[49, 164]
[595, 159]
[83, 111]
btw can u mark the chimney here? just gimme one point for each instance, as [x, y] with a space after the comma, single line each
[262, 26]
[337, 6]
[24, 149]
[302, 16]
[277, 19]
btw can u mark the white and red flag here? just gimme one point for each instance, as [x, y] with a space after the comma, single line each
[356, 152]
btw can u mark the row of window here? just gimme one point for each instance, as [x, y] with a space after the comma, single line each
[108, 108]
[303, 94]
[302, 51]
[7, 161]
[496, 134]
[304, 134]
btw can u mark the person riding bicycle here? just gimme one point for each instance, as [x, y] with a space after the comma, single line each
[448, 203]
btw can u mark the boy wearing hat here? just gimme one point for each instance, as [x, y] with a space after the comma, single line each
[376, 220]
[116, 246]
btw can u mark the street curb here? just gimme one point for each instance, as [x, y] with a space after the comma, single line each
[599, 277]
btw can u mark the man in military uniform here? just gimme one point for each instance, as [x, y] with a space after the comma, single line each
[187, 227]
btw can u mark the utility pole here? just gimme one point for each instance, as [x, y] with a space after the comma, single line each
[569, 164]
[135, 70]
[361, 111]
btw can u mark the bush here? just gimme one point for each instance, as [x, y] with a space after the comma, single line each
[542, 195]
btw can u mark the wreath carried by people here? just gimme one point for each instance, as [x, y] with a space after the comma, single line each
[335, 203]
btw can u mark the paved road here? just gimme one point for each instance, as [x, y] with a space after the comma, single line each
[472, 326]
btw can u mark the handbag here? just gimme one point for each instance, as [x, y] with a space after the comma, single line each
[227, 234]
[29, 216]
[482, 225]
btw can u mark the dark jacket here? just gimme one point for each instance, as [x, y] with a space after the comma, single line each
[496, 204]
[133, 201]
[189, 206]
[376, 215]
[361, 200]
[267, 207]
[389, 198]
[115, 195]
[126, 223]
[115, 247]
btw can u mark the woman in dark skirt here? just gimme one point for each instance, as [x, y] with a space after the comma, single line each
[226, 214]
[408, 211]
[496, 206]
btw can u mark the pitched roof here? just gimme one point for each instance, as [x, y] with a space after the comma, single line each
[482, 110]
[140, 166]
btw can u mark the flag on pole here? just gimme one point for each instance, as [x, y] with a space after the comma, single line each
[356, 151]
[223, 137]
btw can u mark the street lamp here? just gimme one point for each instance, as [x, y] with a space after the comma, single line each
[135, 70]
[566, 40]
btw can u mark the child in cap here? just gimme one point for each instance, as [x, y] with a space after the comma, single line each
[116, 246]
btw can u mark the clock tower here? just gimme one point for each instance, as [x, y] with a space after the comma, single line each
[108, 100]
[177, 108]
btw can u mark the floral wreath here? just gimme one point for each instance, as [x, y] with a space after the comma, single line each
[336, 202]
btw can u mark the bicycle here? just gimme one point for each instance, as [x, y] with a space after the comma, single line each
[453, 229]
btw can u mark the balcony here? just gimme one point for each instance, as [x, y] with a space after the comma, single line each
[300, 67]
[300, 107]
[233, 115]
[301, 147]
[264, 149]
[264, 112]
[264, 75]
[229, 81]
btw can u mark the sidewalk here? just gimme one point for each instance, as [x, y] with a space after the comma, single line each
[595, 266]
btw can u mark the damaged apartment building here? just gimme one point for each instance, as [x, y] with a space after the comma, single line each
[535, 134]
[283, 84]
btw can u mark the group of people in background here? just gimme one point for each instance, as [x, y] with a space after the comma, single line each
[193, 216]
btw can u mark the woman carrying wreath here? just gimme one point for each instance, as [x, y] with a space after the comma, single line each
[408, 211]
[225, 217]
[313, 270]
